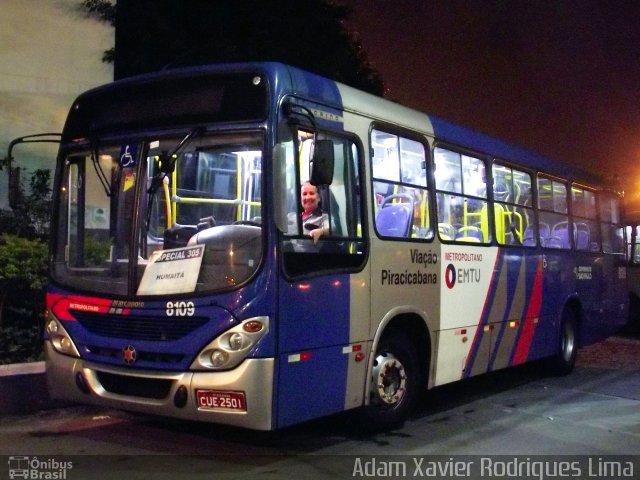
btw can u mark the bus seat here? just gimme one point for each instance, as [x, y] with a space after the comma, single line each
[500, 191]
[529, 238]
[447, 231]
[560, 231]
[582, 240]
[553, 242]
[394, 220]
[583, 236]
[469, 234]
[544, 231]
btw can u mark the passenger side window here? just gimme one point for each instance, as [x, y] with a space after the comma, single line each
[513, 207]
[612, 231]
[461, 197]
[553, 226]
[585, 226]
[401, 206]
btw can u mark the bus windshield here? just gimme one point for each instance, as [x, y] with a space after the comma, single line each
[127, 225]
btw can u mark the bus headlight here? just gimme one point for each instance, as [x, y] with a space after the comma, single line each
[230, 348]
[219, 358]
[60, 339]
[236, 340]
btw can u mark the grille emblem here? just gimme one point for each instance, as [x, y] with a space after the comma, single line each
[129, 354]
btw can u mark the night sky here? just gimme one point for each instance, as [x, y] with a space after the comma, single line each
[558, 77]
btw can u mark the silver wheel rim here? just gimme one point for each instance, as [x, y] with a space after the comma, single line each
[568, 342]
[389, 379]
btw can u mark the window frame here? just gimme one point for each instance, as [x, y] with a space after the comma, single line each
[532, 208]
[426, 189]
[583, 219]
[487, 199]
[315, 262]
[541, 211]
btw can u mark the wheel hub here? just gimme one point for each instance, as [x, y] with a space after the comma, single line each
[390, 379]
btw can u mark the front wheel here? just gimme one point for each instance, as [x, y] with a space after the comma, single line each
[565, 359]
[394, 382]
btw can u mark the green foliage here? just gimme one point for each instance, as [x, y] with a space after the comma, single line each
[20, 343]
[31, 217]
[23, 276]
[23, 272]
[102, 10]
[96, 251]
[23, 263]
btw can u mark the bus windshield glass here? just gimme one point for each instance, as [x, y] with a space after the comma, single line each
[127, 225]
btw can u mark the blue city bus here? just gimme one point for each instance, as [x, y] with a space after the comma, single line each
[187, 282]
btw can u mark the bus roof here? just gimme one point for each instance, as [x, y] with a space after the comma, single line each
[292, 80]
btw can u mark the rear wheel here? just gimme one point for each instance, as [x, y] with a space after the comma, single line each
[565, 359]
[394, 382]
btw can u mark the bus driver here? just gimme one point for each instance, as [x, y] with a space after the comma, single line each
[315, 222]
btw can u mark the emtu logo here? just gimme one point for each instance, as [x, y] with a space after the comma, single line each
[450, 276]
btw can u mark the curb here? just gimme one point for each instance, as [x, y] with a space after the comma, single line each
[23, 388]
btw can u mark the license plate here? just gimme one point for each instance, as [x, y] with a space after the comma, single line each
[221, 400]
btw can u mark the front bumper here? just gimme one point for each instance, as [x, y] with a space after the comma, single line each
[254, 377]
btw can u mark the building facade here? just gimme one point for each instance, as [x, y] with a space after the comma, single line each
[50, 51]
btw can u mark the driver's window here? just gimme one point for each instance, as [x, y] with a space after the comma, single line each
[324, 222]
[333, 208]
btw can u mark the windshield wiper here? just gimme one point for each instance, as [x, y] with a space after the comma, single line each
[167, 166]
[168, 160]
[108, 188]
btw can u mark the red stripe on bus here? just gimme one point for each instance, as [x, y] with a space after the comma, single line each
[529, 327]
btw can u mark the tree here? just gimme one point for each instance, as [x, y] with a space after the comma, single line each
[30, 219]
[23, 274]
[152, 35]
[104, 11]
[23, 271]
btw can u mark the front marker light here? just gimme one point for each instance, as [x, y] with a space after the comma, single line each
[252, 326]
[52, 327]
[232, 347]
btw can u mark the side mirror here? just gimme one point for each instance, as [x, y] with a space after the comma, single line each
[321, 168]
[166, 163]
[13, 173]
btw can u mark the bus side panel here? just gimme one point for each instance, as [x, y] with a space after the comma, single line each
[313, 333]
[601, 284]
[467, 292]
[514, 325]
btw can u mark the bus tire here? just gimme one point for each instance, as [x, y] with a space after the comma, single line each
[565, 359]
[394, 384]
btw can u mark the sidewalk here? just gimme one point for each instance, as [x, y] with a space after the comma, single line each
[23, 388]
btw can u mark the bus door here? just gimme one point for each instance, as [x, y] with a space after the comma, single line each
[323, 295]
[615, 293]
[633, 278]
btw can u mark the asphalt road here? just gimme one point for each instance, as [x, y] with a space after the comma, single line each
[518, 414]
